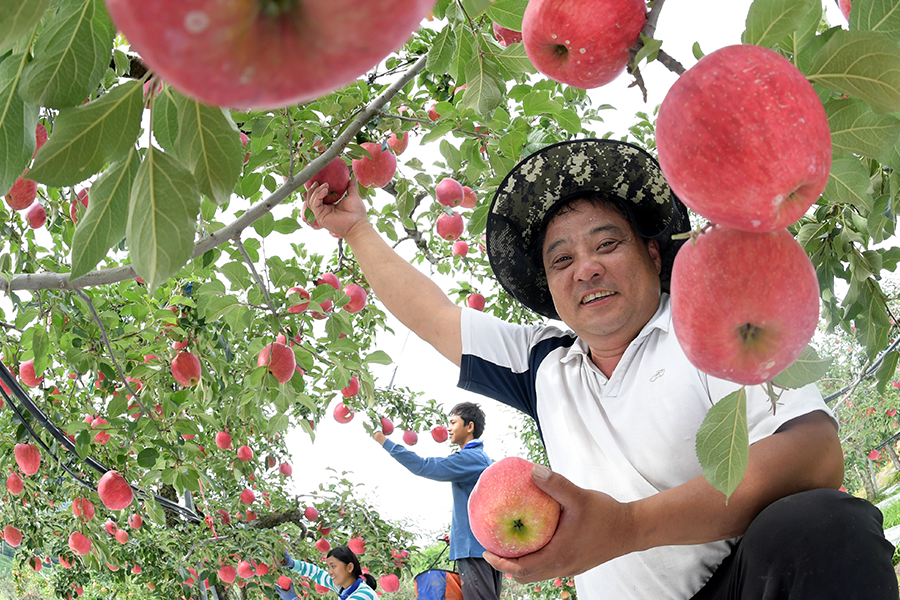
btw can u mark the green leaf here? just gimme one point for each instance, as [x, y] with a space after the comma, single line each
[71, 54]
[147, 457]
[465, 51]
[17, 18]
[482, 93]
[514, 59]
[278, 423]
[162, 217]
[379, 357]
[806, 30]
[17, 122]
[857, 129]
[478, 221]
[768, 21]
[508, 13]
[476, 7]
[568, 119]
[862, 64]
[209, 145]
[649, 50]
[88, 137]
[807, 369]
[165, 119]
[848, 182]
[155, 512]
[438, 131]
[539, 102]
[723, 442]
[886, 370]
[40, 346]
[882, 16]
[103, 225]
[441, 54]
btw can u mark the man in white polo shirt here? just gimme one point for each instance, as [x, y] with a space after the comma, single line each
[581, 232]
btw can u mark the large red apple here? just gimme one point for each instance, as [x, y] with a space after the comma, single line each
[460, 248]
[245, 569]
[303, 294]
[227, 574]
[79, 544]
[331, 279]
[27, 374]
[377, 171]
[122, 536]
[279, 359]
[245, 453]
[337, 175]
[323, 545]
[387, 426]
[475, 301]
[223, 440]
[186, 369]
[14, 484]
[449, 227]
[264, 53]
[509, 515]
[744, 305]
[22, 194]
[284, 582]
[357, 545]
[248, 497]
[439, 434]
[410, 437]
[505, 36]
[743, 139]
[28, 457]
[583, 43]
[389, 583]
[311, 513]
[358, 297]
[449, 192]
[285, 469]
[115, 493]
[12, 535]
[135, 521]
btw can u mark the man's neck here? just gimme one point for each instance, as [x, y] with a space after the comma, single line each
[463, 443]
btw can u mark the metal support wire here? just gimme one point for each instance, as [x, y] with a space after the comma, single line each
[10, 383]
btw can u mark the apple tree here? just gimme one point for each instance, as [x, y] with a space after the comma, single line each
[163, 283]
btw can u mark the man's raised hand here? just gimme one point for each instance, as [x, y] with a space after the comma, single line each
[341, 217]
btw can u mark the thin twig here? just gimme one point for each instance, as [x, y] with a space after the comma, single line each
[240, 246]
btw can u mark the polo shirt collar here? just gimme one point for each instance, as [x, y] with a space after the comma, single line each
[661, 320]
[473, 443]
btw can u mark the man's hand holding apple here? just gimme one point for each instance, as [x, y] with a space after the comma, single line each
[341, 217]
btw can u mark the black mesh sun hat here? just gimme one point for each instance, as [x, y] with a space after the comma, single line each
[558, 173]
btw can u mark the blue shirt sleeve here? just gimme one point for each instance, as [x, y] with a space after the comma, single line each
[459, 466]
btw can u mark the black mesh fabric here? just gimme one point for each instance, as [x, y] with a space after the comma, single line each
[558, 173]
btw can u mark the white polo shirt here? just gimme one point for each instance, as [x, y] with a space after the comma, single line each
[629, 436]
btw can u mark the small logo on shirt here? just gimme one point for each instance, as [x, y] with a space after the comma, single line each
[657, 375]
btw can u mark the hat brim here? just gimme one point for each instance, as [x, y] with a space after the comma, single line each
[558, 173]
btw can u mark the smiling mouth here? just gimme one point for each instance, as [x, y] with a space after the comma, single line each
[597, 296]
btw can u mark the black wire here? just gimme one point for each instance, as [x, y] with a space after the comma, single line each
[44, 421]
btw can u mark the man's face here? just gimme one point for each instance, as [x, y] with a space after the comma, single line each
[458, 430]
[603, 277]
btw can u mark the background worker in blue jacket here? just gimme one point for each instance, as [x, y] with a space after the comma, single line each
[480, 581]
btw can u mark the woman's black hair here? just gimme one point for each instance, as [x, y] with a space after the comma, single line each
[346, 556]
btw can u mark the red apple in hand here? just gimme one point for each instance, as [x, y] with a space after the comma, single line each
[377, 171]
[387, 426]
[279, 360]
[509, 515]
[449, 192]
[449, 227]
[744, 118]
[744, 305]
[285, 582]
[583, 43]
[115, 493]
[337, 175]
[505, 36]
[237, 54]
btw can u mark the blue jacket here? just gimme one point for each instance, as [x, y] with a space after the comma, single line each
[462, 470]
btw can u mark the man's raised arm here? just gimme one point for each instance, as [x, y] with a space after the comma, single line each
[407, 293]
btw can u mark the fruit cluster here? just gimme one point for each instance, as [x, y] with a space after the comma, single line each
[744, 141]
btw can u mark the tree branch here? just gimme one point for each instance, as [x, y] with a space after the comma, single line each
[61, 281]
